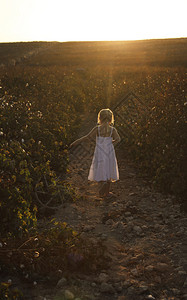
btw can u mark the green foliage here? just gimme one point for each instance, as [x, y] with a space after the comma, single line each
[33, 150]
[7, 293]
[158, 139]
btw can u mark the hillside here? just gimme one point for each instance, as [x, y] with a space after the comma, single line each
[166, 52]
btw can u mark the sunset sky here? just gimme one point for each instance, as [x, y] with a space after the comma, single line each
[88, 20]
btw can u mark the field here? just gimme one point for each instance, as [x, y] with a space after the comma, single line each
[159, 53]
[48, 91]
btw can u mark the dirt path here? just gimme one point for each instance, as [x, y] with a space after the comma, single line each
[143, 230]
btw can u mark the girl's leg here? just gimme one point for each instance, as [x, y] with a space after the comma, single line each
[108, 187]
[102, 189]
[105, 189]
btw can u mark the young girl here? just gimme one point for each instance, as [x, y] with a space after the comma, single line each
[104, 167]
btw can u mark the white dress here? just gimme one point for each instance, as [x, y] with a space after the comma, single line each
[104, 164]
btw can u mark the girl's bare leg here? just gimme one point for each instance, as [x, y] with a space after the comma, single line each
[108, 188]
[102, 189]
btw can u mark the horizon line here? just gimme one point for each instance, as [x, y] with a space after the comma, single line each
[82, 41]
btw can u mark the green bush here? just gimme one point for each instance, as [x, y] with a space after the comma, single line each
[157, 136]
[6, 293]
[33, 151]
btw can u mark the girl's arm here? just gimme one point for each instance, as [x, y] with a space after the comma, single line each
[88, 137]
[116, 137]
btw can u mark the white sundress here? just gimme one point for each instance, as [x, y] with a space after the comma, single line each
[104, 164]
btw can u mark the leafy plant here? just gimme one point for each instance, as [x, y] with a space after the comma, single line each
[6, 293]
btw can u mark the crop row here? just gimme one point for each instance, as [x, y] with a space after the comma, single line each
[41, 110]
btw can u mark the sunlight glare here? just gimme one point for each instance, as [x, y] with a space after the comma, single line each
[79, 20]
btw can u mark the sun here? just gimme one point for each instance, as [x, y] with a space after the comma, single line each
[83, 20]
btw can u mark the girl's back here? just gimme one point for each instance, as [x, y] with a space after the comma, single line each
[105, 130]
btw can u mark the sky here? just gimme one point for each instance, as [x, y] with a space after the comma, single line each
[91, 20]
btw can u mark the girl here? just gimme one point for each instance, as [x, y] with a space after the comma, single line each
[104, 167]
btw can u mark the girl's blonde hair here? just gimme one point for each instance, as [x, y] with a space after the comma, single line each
[105, 115]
